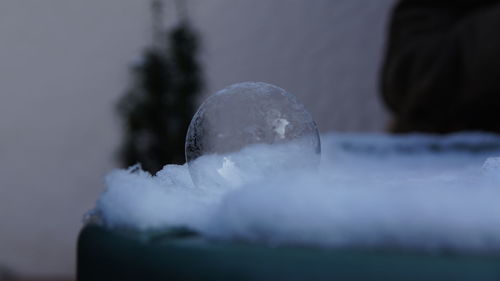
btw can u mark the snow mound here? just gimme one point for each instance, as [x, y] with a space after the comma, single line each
[418, 191]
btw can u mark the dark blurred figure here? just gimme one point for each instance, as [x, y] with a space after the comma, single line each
[442, 68]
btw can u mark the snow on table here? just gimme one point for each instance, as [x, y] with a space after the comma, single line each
[416, 191]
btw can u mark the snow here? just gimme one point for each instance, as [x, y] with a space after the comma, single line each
[420, 192]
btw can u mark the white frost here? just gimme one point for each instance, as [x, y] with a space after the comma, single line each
[229, 172]
[418, 191]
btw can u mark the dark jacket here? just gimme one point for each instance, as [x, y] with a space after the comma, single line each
[442, 68]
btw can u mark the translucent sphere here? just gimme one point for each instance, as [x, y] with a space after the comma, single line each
[247, 131]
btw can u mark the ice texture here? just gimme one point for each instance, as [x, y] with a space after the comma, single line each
[375, 191]
[244, 114]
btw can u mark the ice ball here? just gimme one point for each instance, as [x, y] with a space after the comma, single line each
[248, 131]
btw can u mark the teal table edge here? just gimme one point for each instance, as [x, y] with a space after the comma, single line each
[105, 254]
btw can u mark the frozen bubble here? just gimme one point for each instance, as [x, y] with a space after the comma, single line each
[242, 117]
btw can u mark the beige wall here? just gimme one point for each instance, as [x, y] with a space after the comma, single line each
[326, 52]
[63, 65]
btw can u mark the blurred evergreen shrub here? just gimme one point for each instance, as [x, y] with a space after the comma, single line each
[158, 107]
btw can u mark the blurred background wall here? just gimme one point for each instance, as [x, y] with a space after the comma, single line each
[64, 65]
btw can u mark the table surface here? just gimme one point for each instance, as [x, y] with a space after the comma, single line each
[116, 255]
